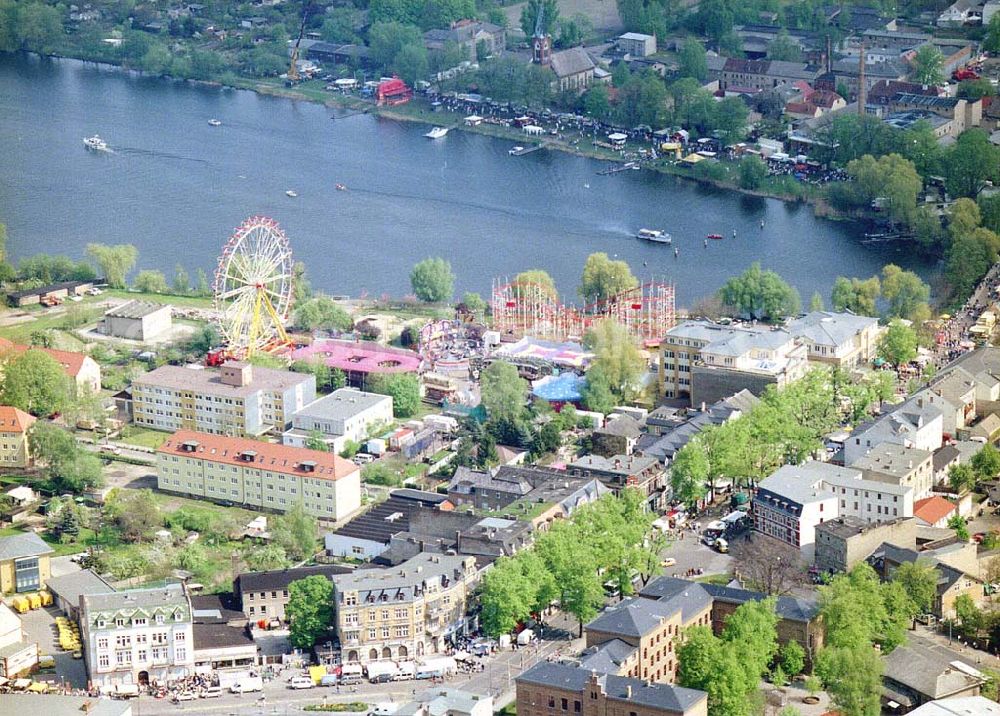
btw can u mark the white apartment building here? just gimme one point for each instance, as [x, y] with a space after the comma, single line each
[843, 340]
[790, 503]
[260, 475]
[345, 414]
[899, 465]
[238, 400]
[137, 637]
[916, 423]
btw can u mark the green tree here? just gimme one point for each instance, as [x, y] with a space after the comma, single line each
[961, 527]
[899, 344]
[816, 302]
[411, 64]
[260, 558]
[201, 283]
[693, 60]
[855, 295]
[549, 10]
[986, 462]
[970, 163]
[68, 467]
[135, 513]
[689, 473]
[309, 610]
[573, 566]
[506, 597]
[760, 294]
[34, 382]
[596, 392]
[961, 477]
[617, 357]
[975, 89]
[315, 441]
[295, 532]
[150, 281]
[114, 261]
[536, 278]
[504, 392]
[404, 389]
[928, 65]
[905, 291]
[604, 278]
[793, 658]
[919, 582]
[475, 304]
[991, 40]
[784, 48]
[753, 173]
[182, 280]
[432, 280]
[322, 313]
[853, 678]
[891, 179]
[596, 102]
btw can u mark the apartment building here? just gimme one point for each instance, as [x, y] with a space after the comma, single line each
[917, 423]
[843, 543]
[238, 400]
[345, 414]
[405, 611]
[764, 75]
[14, 424]
[707, 362]
[137, 637]
[264, 595]
[256, 474]
[556, 689]
[790, 503]
[899, 465]
[619, 472]
[842, 340]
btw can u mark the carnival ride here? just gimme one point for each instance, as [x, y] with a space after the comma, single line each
[531, 309]
[253, 291]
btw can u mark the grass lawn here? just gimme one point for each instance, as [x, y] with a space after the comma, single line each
[184, 301]
[720, 579]
[143, 438]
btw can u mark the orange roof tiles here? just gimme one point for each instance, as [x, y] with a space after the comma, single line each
[932, 509]
[268, 456]
[14, 420]
[71, 362]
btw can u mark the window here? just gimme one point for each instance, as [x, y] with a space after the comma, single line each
[180, 636]
[565, 704]
[552, 702]
[102, 642]
[373, 633]
[26, 576]
[577, 706]
[180, 654]
[159, 618]
[139, 622]
[141, 655]
[104, 661]
[120, 622]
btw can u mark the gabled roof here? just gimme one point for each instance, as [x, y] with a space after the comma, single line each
[931, 509]
[571, 62]
[632, 617]
[26, 544]
[14, 420]
[606, 658]
[281, 578]
[930, 673]
[71, 362]
[623, 426]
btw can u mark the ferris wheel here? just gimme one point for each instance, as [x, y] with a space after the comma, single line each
[253, 288]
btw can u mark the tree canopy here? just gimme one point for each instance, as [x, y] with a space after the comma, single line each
[404, 388]
[34, 382]
[616, 358]
[604, 277]
[114, 261]
[309, 610]
[504, 392]
[322, 312]
[432, 280]
[760, 294]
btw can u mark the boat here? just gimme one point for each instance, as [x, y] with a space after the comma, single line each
[437, 133]
[515, 151]
[340, 187]
[655, 235]
[291, 193]
[713, 236]
[215, 123]
[95, 143]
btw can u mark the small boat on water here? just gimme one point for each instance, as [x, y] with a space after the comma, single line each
[95, 144]
[437, 133]
[340, 187]
[657, 236]
[713, 236]
[215, 123]
[292, 193]
[515, 151]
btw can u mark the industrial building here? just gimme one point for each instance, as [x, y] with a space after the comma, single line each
[137, 321]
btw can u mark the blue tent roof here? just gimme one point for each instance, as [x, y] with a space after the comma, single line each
[564, 388]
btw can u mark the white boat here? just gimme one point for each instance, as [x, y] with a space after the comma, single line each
[292, 193]
[95, 143]
[655, 235]
[215, 123]
[515, 151]
[437, 133]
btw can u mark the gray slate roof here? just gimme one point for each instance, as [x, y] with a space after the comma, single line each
[632, 617]
[571, 62]
[71, 586]
[341, 404]
[159, 600]
[27, 544]
[827, 328]
[573, 678]
[667, 588]
[606, 658]
[928, 672]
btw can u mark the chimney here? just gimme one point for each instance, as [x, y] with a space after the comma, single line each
[829, 55]
[862, 89]
[628, 691]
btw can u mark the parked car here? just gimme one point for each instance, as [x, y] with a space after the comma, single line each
[668, 562]
[211, 692]
[184, 696]
[301, 682]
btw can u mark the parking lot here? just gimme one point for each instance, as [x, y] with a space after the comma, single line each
[39, 624]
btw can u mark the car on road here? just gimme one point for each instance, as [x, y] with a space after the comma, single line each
[184, 696]
[212, 692]
[668, 562]
[301, 682]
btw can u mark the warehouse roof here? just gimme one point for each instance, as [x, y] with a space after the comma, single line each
[136, 309]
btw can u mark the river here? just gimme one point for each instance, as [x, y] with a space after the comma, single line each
[175, 187]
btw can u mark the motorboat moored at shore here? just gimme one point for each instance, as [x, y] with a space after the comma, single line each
[437, 133]
[657, 236]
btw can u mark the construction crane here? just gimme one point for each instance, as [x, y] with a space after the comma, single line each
[293, 70]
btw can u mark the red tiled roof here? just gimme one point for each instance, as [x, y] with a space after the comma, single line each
[71, 362]
[268, 456]
[932, 509]
[13, 420]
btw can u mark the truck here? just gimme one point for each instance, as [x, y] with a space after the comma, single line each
[380, 672]
[436, 667]
[351, 674]
[248, 684]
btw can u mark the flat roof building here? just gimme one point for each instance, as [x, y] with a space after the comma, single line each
[138, 321]
[345, 414]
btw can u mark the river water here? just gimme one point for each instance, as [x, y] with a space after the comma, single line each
[175, 187]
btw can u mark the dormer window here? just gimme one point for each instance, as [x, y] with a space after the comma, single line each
[101, 623]
[120, 622]
[177, 616]
[159, 618]
[139, 621]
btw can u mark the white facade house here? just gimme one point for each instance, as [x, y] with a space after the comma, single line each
[899, 465]
[840, 339]
[868, 500]
[137, 637]
[790, 503]
[917, 423]
[345, 414]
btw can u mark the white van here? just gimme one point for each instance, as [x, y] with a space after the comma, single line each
[247, 685]
[301, 682]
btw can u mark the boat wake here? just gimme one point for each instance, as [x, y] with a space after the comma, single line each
[159, 155]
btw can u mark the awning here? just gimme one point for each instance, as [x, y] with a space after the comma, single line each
[39, 687]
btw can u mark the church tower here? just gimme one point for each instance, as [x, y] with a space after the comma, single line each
[541, 43]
